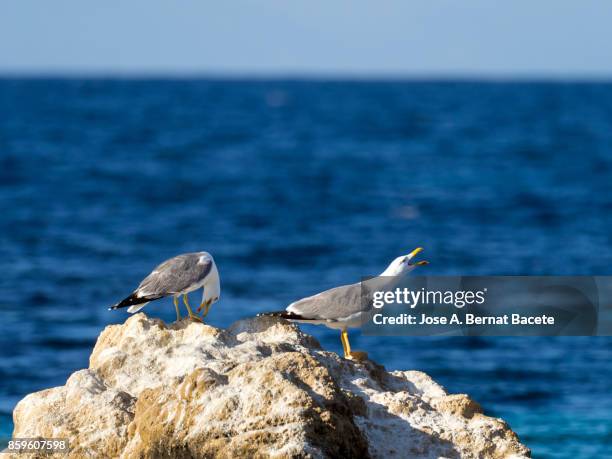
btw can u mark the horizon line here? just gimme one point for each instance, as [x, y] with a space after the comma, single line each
[307, 75]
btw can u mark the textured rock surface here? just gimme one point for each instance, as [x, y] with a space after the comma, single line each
[262, 388]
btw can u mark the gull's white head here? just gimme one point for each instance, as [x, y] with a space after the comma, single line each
[212, 283]
[404, 264]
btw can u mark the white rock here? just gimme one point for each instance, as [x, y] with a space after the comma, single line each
[261, 388]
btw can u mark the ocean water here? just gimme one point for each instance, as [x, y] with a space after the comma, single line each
[298, 186]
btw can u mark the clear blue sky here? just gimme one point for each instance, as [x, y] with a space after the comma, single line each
[398, 38]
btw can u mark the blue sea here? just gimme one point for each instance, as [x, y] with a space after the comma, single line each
[298, 186]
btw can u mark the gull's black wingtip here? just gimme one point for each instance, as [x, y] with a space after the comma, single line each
[133, 300]
[282, 314]
[271, 314]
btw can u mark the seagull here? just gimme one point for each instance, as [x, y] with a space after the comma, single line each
[342, 307]
[175, 277]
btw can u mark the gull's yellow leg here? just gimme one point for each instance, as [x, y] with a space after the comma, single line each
[178, 314]
[192, 316]
[346, 347]
[348, 354]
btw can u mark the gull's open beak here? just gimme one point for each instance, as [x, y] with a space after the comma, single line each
[413, 254]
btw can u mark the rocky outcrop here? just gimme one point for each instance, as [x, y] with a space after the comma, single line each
[261, 388]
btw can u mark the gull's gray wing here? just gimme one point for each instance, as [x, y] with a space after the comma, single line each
[334, 304]
[175, 275]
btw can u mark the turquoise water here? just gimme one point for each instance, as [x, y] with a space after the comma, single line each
[303, 185]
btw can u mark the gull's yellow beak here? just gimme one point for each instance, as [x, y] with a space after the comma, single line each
[413, 254]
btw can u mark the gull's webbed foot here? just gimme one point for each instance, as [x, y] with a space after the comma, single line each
[192, 316]
[359, 356]
[195, 318]
[348, 353]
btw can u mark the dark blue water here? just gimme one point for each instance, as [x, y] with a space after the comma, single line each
[299, 186]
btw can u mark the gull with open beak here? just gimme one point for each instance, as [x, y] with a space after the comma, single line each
[343, 307]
